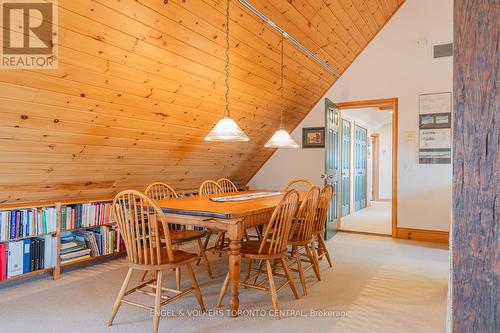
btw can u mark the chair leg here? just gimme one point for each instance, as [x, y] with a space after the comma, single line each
[157, 314]
[222, 241]
[203, 255]
[301, 270]
[272, 287]
[325, 250]
[259, 268]
[223, 290]
[289, 278]
[196, 287]
[119, 298]
[205, 245]
[313, 262]
[259, 233]
[249, 270]
[178, 278]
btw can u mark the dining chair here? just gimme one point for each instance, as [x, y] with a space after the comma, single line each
[160, 191]
[320, 248]
[210, 187]
[227, 185]
[272, 247]
[300, 184]
[302, 236]
[140, 222]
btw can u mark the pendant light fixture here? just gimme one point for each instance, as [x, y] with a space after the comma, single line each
[226, 129]
[281, 138]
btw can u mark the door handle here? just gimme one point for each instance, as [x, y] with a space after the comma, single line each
[330, 176]
[323, 175]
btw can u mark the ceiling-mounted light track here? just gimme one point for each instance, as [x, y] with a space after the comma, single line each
[290, 38]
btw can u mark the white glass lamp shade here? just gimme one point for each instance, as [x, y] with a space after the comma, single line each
[281, 139]
[226, 130]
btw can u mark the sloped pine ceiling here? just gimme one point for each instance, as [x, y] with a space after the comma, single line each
[141, 82]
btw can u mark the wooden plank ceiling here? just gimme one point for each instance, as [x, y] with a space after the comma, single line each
[140, 83]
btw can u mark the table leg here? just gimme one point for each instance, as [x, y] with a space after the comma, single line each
[235, 234]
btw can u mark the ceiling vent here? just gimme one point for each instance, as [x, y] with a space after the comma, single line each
[442, 50]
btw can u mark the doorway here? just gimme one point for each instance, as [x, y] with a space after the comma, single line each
[361, 164]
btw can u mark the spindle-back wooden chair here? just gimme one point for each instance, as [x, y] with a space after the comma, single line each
[209, 187]
[273, 246]
[161, 191]
[140, 222]
[302, 236]
[227, 185]
[325, 196]
[300, 184]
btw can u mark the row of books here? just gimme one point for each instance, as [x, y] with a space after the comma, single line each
[85, 215]
[27, 255]
[82, 244]
[27, 222]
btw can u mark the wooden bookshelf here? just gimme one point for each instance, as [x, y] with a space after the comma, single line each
[27, 275]
[85, 260]
[90, 227]
[56, 271]
[30, 236]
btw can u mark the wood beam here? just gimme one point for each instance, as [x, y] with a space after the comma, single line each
[476, 200]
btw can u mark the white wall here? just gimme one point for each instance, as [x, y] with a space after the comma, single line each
[385, 161]
[391, 66]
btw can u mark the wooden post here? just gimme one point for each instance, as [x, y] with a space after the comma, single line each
[476, 183]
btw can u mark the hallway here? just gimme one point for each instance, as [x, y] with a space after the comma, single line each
[376, 218]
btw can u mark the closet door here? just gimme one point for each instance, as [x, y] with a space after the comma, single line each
[345, 191]
[360, 166]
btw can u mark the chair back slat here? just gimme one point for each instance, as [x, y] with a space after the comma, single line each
[277, 231]
[227, 185]
[140, 222]
[159, 191]
[325, 197]
[209, 187]
[300, 184]
[302, 226]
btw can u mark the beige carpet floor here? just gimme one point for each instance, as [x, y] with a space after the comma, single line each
[377, 285]
[376, 218]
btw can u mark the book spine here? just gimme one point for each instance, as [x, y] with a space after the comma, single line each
[42, 253]
[37, 254]
[26, 255]
[12, 224]
[33, 254]
[3, 261]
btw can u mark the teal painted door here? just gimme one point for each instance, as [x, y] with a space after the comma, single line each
[345, 191]
[332, 161]
[360, 168]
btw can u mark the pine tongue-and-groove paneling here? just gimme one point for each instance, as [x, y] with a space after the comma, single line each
[141, 82]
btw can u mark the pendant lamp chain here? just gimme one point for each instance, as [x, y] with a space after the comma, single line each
[227, 60]
[281, 88]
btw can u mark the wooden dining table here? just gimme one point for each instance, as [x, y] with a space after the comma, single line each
[230, 217]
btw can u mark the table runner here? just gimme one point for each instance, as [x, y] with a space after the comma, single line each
[243, 197]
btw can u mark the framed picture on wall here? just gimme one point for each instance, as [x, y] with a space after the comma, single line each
[313, 137]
